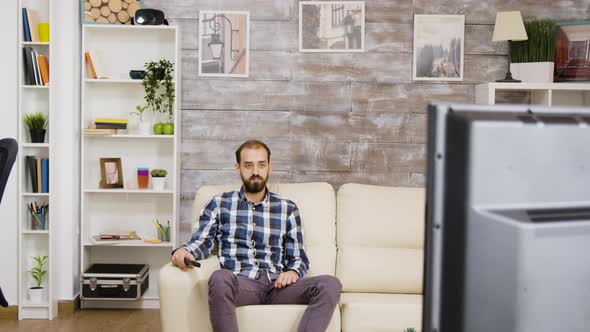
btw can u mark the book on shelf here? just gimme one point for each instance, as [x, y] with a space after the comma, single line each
[43, 68]
[38, 169]
[33, 23]
[26, 26]
[116, 236]
[94, 131]
[36, 67]
[90, 64]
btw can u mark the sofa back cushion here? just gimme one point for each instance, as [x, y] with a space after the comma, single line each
[317, 208]
[380, 236]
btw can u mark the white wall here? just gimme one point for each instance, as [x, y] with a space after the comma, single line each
[65, 81]
[8, 125]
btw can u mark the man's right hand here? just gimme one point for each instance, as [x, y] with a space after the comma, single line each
[179, 256]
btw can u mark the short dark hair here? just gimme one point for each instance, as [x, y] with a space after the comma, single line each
[251, 144]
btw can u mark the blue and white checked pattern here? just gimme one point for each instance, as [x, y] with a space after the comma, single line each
[251, 237]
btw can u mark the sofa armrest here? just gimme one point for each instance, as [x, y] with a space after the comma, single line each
[184, 297]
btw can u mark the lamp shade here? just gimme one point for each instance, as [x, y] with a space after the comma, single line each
[509, 26]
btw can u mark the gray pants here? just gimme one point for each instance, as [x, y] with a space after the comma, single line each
[228, 291]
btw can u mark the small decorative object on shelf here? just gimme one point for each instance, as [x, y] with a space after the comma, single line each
[163, 231]
[111, 173]
[532, 59]
[137, 74]
[158, 178]
[509, 27]
[39, 219]
[143, 128]
[37, 124]
[37, 292]
[143, 178]
[160, 94]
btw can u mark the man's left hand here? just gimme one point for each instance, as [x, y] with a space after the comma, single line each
[286, 278]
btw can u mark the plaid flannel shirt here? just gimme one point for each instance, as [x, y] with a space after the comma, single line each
[251, 238]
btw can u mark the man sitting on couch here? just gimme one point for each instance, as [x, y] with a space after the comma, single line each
[260, 250]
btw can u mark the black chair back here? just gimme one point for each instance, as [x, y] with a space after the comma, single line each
[8, 151]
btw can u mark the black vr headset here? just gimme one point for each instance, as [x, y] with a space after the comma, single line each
[149, 16]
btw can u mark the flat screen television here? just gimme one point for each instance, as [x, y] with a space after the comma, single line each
[507, 236]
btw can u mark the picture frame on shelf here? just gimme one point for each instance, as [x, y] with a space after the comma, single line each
[224, 43]
[331, 26]
[109, 11]
[572, 59]
[438, 47]
[111, 173]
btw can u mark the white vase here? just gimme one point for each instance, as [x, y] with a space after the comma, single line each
[158, 183]
[36, 295]
[533, 72]
[144, 128]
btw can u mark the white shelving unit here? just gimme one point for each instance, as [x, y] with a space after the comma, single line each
[116, 49]
[547, 94]
[31, 242]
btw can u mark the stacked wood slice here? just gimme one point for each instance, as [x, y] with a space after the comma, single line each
[110, 11]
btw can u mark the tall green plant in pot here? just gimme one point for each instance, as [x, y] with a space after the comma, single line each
[37, 124]
[532, 59]
[160, 94]
[38, 272]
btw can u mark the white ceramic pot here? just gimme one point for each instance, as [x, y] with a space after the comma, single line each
[144, 128]
[533, 72]
[158, 183]
[36, 295]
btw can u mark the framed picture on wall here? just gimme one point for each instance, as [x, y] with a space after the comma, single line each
[331, 26]
[224, 39]
[572, 52]
[109, 11]
[438, 47]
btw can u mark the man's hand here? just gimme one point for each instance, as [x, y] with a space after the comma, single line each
[179, 256]
[286, 278]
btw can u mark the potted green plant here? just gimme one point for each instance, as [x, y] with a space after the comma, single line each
[37, 292]
[143, 128]
[160, 93]
[158, 178]
[532, 60]
[37, 124]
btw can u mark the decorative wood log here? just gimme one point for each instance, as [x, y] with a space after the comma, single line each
[95, 13]
[87, 6]
[105, 1]
[130, 1]
[95, 3]
[105, 11]
[122, 16]
[112, 18]
[115, 6]
[133, 8]
[102, 20]
[125, 5]
[88, 18]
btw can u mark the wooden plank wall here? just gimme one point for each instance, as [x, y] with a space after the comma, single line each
[339, 118]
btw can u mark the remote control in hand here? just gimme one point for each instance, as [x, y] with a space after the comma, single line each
[188, 262]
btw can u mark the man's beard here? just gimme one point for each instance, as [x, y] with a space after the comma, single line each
[254, 187]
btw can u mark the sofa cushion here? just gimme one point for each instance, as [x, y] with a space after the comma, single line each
[380, 232]
[317, 208]
[380, 312]
[272, 318]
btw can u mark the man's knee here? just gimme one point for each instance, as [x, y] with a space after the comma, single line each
[330, 286]
[221, 280]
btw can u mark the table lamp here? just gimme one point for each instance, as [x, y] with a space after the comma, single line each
[509, 27]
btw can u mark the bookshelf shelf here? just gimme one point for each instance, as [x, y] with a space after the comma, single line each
[34, 65]
[114, 51]
[111, 81]
[131, 136]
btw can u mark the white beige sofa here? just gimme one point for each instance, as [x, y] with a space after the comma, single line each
[370, 237]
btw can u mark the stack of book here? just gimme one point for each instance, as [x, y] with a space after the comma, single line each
[99, 132]
[107, 123]
[36, 67]
[39, 173]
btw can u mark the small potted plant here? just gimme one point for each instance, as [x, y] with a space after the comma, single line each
[160, 94]
[37, 292]
[532, 60]
[158, 178]
[143, 128]
[37, 124]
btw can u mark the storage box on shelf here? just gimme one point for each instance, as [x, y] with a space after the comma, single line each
[35, 231]
[114, 51]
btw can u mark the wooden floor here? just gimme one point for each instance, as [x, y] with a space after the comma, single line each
[90, 321]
